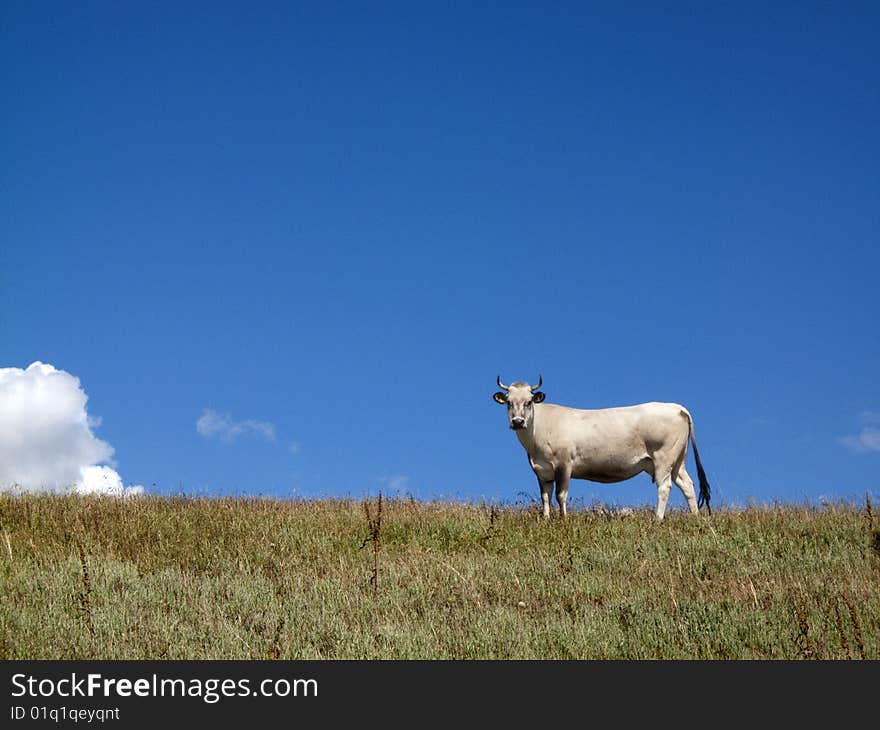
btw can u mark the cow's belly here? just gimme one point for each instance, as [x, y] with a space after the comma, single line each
[608, 472]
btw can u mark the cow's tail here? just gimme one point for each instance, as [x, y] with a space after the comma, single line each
[705, 490]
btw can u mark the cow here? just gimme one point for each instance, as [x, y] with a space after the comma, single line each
[607, 445]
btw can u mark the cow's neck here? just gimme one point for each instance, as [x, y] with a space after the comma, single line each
[526, 435]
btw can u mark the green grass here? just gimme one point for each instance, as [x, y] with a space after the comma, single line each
[254, 579]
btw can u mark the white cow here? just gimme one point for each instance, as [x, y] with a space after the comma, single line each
[607, 445]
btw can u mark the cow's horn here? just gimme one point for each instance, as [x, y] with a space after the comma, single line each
[535, 387]
[502, 385]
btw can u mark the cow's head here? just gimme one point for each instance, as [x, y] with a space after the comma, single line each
[520, 399]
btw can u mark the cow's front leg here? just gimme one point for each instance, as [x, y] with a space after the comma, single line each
[546, 491]
[563, 476]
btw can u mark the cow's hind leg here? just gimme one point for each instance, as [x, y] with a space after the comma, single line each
[663, 480]
[686, 485]
[669, 461]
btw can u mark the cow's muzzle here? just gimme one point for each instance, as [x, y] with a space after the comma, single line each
[517, 423]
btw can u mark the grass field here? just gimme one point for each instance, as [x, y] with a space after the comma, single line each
[154, 578]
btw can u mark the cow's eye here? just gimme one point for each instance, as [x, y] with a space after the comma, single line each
[530, 403]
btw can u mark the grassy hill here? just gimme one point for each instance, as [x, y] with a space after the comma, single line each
[183, 578]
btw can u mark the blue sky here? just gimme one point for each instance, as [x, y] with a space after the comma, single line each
[328, 227]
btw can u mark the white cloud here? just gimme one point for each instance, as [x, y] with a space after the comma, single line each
[395, 483]
[219, 425]
[46, 438]
[868, 439]
[104, 480]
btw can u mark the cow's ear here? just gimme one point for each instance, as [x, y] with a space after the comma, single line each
[500, 397]
[538, 397]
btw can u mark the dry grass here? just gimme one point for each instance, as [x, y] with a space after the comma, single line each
[249, 578]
